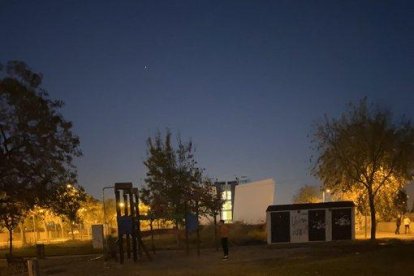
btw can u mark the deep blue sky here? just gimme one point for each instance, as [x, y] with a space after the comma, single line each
[245, 80]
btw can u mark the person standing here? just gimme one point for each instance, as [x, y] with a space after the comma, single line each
[224, 235]
[407, 222]
[398, 224]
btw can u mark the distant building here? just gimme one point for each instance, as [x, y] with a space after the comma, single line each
[227, 191]
[246, 202]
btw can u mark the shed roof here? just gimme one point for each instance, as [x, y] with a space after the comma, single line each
[304, 206]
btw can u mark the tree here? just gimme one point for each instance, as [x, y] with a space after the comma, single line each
[90, 212]
[172, 178]
[211, 203]
[307, 194]
[40, 219]
[11, 213]
[36, 143]
[69, 200]
[163, 191]
[364, 150]
[110, 213]
[400, 202]
[389, 201]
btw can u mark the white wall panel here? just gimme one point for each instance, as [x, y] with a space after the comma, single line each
[252, 199]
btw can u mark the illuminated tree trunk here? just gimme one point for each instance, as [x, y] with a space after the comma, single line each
[372, 211]
[177, 233]
[47, 231]
[10, 242]
[23, 234]
[71, 230]
[152, 235]
[61, 230]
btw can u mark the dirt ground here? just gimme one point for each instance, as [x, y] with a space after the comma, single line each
[168, 262]
[244, 260]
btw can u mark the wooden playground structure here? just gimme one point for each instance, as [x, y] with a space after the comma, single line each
[128, 218]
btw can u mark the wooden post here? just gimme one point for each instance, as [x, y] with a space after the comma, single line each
[138, 222]
[33, 267]
[132, 204]
[128, 239]
[120, 239]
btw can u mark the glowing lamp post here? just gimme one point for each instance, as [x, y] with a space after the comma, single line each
[104, 210]
[324, 192]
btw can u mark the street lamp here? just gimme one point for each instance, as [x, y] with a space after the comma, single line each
[103, 205]
[324, 195]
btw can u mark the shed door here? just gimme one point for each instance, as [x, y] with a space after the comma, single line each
[317, 225]
[280, 226]
[341, 224]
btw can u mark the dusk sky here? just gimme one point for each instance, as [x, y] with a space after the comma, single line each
[245, 80]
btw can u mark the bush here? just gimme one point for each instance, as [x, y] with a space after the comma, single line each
[244, 234]
[239, 234]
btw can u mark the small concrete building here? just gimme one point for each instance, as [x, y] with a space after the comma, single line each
[309, 222]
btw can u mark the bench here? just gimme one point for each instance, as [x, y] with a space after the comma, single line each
[17, 264]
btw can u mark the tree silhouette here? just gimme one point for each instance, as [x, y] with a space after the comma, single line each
[37, 145]
[364, 150]
[307, 194]
[175, 185]
[69, 200]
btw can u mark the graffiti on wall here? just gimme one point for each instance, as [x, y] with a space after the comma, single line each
[299, 226]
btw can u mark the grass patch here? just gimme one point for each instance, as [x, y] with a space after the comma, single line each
[240, 234]
[383, 257]
[344, 258]
[395, 258]
[55, 249]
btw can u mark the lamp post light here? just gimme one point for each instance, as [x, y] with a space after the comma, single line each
[105, 245]
[104, 209]
[324, 191]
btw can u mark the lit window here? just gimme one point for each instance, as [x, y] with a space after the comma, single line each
[226, 215]
[226, 195]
